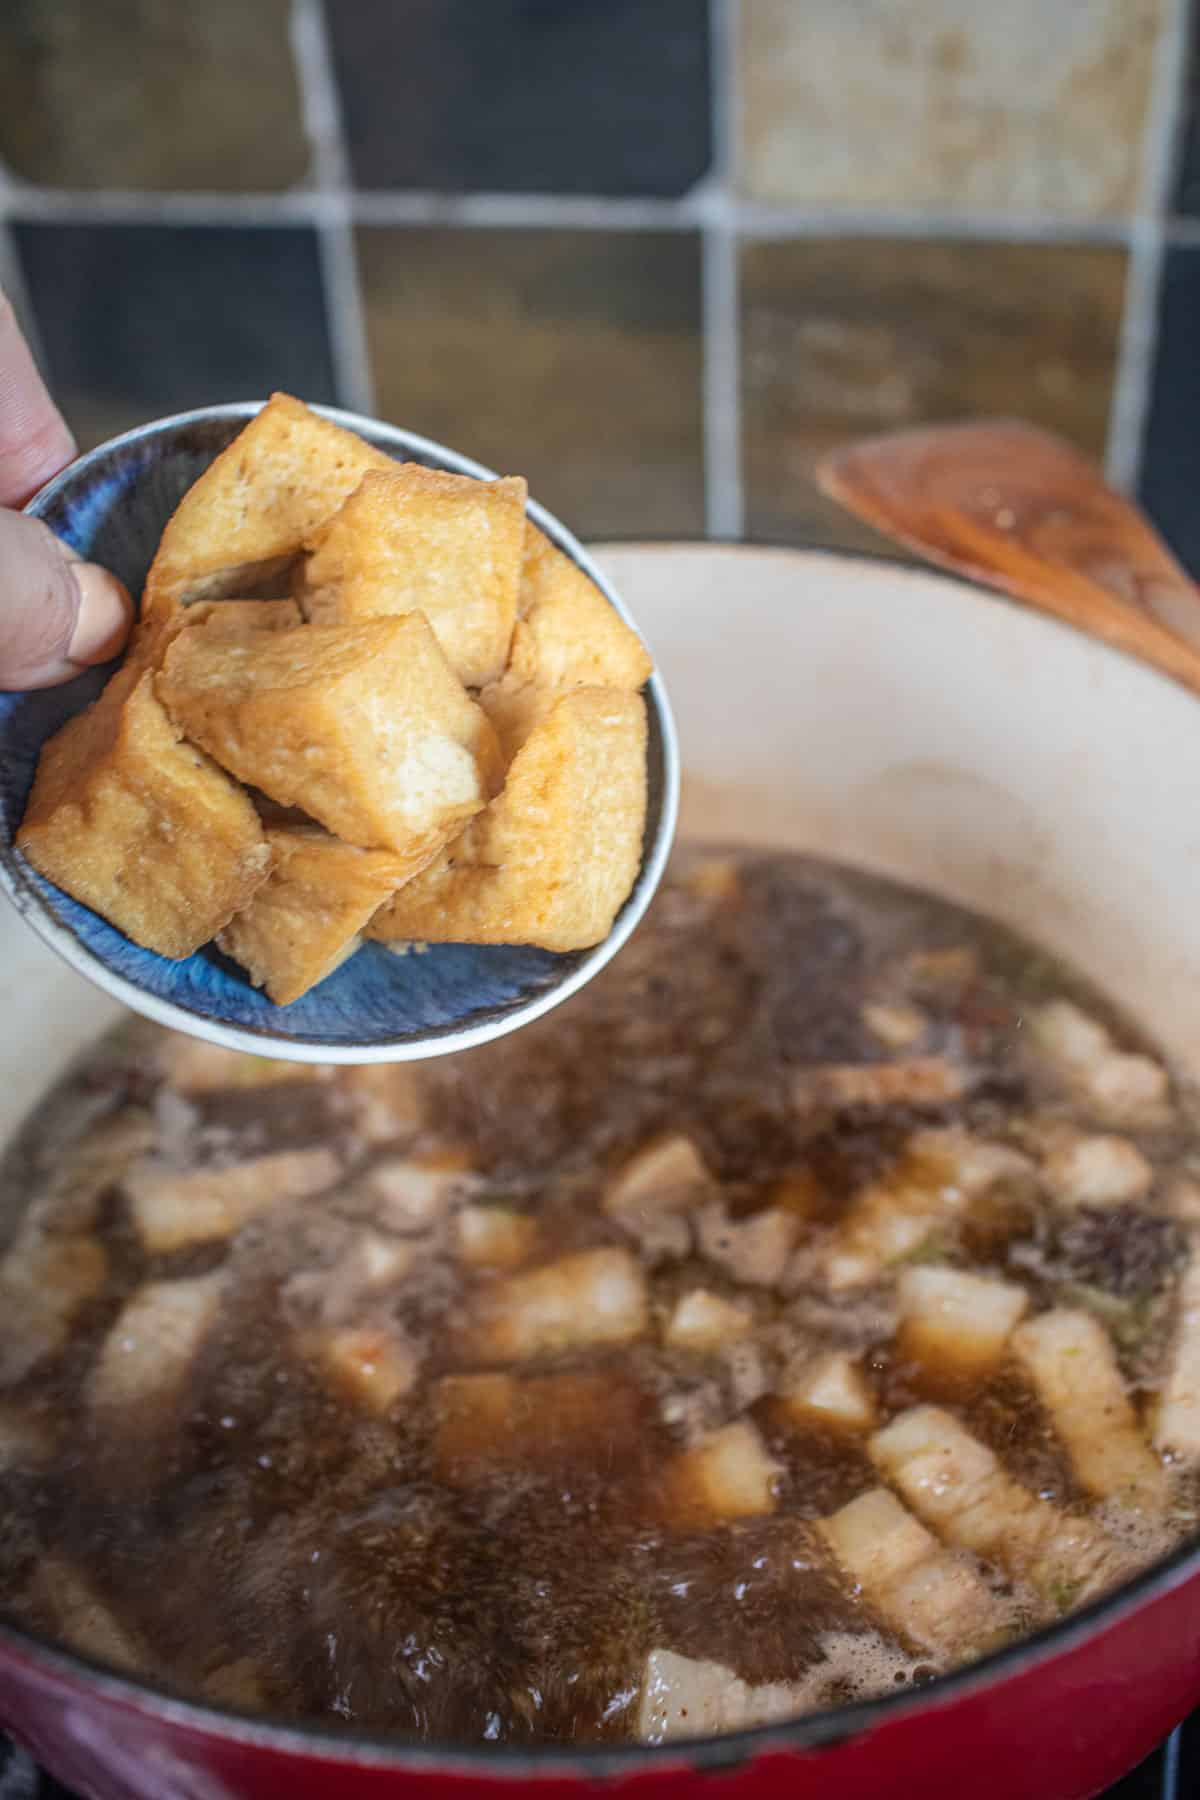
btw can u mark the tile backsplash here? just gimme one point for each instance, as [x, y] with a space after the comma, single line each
[656, 254]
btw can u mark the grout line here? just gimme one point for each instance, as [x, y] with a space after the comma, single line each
[332, 212]
[723, 497]
[759, 221]
[1130, 409]
[318, 203]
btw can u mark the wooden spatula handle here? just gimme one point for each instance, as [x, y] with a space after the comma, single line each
[1020, 509]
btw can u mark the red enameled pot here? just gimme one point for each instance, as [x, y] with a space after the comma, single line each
[917, 726]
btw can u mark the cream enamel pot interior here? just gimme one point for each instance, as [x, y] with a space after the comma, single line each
[903, 721]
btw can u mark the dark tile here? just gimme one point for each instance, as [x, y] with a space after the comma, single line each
[1170, 477]
[525, 96]
[1186, 196]
[142, 94]
[572, 358]
[141, 320]
[846, 337]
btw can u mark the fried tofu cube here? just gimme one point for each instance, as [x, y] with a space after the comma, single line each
[829, 1389]
[308, 917]
[241, 618]
[370, 1365]
[516, 709]
[727, 1475]
[953, 1321]
[365, 726]
[1068, 1357]
[494, 1237]
[171, 1209]
[256, 505]
[141, 827]
[553, 859]
[703, 1321]
[423, 540]
[589, 1297]
[567, 635]
[153, 1343]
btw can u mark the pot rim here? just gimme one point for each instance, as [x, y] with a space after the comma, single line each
[812, 1731]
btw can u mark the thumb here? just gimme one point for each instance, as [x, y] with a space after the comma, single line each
[58, 616]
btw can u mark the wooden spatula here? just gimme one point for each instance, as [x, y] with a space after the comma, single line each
[1016, 507]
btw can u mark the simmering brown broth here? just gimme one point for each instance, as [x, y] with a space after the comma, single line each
[809, 1307]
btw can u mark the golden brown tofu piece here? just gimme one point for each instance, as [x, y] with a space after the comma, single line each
[254, 507]
[365, 726]
[567, 635]
[553, 859]
[142, 827]
[422, 540]
[307, 918]
[237, 618]
[515, 707]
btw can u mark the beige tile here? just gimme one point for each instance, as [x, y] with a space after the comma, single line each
[843, 338]
[572, 358]
[974, 106]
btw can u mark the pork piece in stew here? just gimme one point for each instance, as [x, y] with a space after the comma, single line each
[809, 1307]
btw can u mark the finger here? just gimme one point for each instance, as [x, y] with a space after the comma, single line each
[34, 442]
[58, 616]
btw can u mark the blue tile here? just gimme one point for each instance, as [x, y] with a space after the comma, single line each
[525, 96]
[1170, 478]
[141, 320]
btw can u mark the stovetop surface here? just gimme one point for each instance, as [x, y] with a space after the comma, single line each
[1172, 1773]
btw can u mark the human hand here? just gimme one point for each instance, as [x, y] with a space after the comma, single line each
[58, 615]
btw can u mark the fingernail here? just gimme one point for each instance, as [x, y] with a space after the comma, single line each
[105, 612]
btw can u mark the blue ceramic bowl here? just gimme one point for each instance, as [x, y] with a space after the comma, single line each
[111, 506]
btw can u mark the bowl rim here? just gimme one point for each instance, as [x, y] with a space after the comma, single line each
[810, 1732]
[452, 1039]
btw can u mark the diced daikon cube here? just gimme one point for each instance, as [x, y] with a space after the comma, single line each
[495, 1237]
[830, 1389]
[949, 1317]
[704, 1321]
[727, 1475]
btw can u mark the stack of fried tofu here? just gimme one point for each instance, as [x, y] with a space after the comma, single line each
[363, 697]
